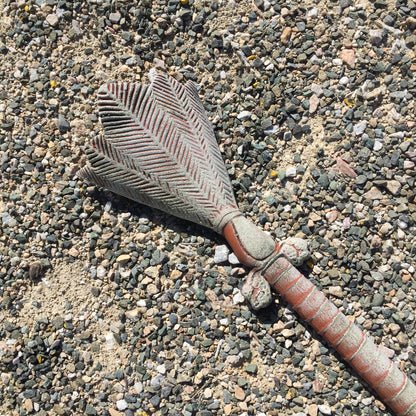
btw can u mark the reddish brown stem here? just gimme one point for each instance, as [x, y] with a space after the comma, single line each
[352, 344]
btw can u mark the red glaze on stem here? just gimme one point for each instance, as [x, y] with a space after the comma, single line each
[353, 345]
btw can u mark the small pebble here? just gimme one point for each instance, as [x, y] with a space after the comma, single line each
[324, 409]
[52, 19]
[238, 298]
[221, 254]
[114, 17]
[63, 124]
[291, 172]
[122, 404]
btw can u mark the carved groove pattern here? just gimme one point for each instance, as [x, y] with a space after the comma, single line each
[354, 346]
[158, 148]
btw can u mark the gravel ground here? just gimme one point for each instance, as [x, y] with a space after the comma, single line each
[110, 308]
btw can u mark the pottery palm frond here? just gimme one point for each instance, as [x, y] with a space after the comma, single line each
[158, 148]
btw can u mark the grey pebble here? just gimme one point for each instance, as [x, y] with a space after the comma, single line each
[63, 124]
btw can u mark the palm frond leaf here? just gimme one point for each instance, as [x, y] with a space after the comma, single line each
[158, 148]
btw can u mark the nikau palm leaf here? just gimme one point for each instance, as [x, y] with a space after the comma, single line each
[158, 148]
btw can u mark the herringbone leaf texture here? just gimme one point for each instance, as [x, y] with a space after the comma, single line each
[158, 148]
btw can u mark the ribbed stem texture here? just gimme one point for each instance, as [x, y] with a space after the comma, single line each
[354, 346]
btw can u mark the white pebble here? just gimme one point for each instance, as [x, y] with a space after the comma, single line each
[398, 135]
[244, 115]
[367, 401]
[122, 404]
[232, 259]
[109, 338]
[238, 298]
[107, 206]
[325, 409]
[114, 17]
[403, 225]
[344, 80]
[138, 387]
[317, 89]
[161, 369]
[221, 254]
[313, 103]
[156, 381]
[291, 172]
[101, 272]
[401, 235]
[359, 128]
[52, 19]
[378, 145]
[312, 12]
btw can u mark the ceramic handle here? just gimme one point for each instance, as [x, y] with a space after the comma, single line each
[256, 249]
[352, 344]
